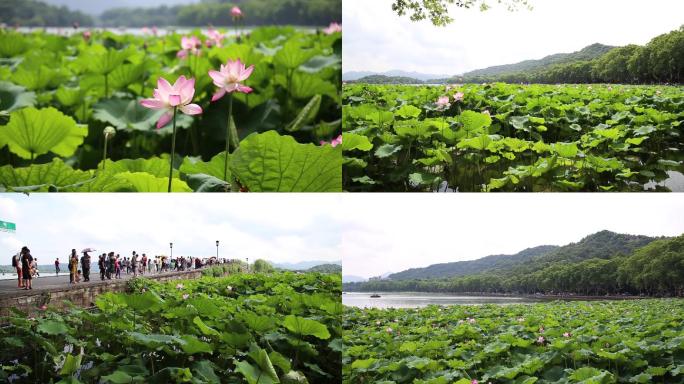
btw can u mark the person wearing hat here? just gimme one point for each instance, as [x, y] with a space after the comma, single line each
[85, 266]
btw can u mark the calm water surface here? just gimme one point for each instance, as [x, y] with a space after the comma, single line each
[419, 299]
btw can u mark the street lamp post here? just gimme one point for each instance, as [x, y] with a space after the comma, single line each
[217, 244]
[248, 264]
[171, 246]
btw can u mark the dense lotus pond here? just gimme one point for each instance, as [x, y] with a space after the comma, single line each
[417, 300]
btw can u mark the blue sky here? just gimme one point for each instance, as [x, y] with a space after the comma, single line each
[276, 227]
[376, 39]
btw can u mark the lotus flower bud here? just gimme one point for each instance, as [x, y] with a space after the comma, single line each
[109, 132]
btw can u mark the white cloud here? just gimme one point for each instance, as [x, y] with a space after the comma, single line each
[394, 232]
[278, 227]
[376, 39]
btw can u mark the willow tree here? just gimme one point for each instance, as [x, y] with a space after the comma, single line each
[437, 11]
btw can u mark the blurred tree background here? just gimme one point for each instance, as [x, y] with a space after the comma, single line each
[206, 12]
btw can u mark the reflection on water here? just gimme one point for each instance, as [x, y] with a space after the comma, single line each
[417, 300]
[675, 182]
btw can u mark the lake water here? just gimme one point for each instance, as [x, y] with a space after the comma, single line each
[417, 300]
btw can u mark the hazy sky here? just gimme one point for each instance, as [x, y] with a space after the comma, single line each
[376, 39]
[276, 227]
[394, 232]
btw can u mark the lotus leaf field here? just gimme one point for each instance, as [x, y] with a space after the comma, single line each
[279, 328]
[71, 117]
[562, 342]
[502, 137]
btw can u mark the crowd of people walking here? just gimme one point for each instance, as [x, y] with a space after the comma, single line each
[110, 265]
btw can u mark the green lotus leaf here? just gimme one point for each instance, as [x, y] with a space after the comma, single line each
[294, 377]
[125, 75]
[69, 97]
[41, 177]
[126, 114]
[144, 182]
[118, 377]
[306, 86]
[33, 132]
[306, 327]
[204, 328]
[292, 55]
[13, 97]
[214, 167]
[408, 112]
[318, 63]
[352, 141]
[192, 345]
[34, 78]
[155, 166]
[270, 162]
[53, 327]
[474, 121]
[72, 363]
[104, 62]
[205, 371]
[12, 44]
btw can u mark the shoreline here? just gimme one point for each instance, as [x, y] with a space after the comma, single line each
[544, 297]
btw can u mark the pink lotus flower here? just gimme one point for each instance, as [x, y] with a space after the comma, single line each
[458, 96]
[471, 321]
[474, 382]
[335, 142]
[567, 334]
[185, 296]
[179, 286]
[87, 35]
[189, 45]
[230, 77]
[377, 322]
[154, 30]
[236, 12]
[541, 329]
[215, 38]
[169, 97]
[43, 307]
[333, 28]
[443, 102]
[540, 340]
[389, 330]
[145, 30]
[521, 319]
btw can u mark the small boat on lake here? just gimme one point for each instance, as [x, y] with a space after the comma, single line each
[375, 296]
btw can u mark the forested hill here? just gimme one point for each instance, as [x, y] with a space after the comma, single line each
[470, 267]
[600, 264]
[587, 53]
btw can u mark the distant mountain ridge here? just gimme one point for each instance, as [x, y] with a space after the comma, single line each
[303, 265]
[471, 267]
[600, 245]
[95, 8]
[356, 75]
[590, 52]
[587, 53]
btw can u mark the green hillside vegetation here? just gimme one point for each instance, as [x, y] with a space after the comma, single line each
[588, 53]
[326, 268]
[207, 12]
[605, 263]
[659, 61]
[382, 79]
[37, 13]
[463, 268]
[217, 13]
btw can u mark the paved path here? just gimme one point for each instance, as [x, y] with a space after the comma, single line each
[51, 282]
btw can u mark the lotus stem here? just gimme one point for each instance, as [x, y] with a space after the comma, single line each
[173, 147]
[229, 132]
[104, 157]
[106, 85]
